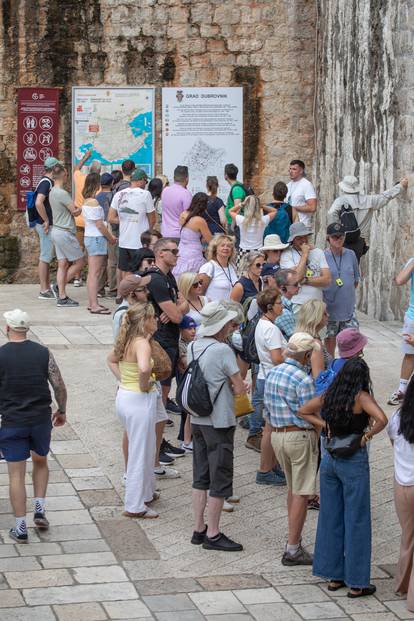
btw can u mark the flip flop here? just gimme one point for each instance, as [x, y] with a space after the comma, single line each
[370, 590]
[101, 311]
[339, 584]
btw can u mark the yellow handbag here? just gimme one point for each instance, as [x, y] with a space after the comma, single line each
[242, 405]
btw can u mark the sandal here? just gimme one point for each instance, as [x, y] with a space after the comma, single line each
[335, 585]
[101, 311]
[149, 514]
[370, 590]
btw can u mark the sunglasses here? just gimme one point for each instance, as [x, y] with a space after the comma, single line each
[258, 265]
[197, 284]
[150, 261]
[174, 251]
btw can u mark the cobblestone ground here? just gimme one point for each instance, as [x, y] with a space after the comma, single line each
[94, 564]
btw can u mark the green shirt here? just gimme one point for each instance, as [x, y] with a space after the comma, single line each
[237, 191]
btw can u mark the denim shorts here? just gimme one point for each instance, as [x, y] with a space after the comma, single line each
[46, 244]
[96, 246]
[17, 442]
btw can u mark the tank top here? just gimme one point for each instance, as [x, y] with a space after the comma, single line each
[130, 376]
[357, 424]
[249, 288]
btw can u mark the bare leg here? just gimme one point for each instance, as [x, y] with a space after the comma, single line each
[61, 277]
[44, 277]
[330, 344]
[187, 431]
[40, 475]
[94, 269]
[267, 456]
[159, 432]
[75, 269]
[297, 509]
[407, 366]
[125, 449]
[17, 490]
[165, 391]
[199, 506]
[214, 509]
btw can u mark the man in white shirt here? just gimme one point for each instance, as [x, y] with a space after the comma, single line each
[301, 193]
[309, 263]
[133, 209]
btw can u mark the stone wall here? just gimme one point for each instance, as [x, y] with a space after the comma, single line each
[266, 46]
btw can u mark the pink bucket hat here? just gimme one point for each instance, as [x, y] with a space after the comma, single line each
[350, 342]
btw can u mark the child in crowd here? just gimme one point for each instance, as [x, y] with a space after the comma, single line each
[187, 335]
[149, 238]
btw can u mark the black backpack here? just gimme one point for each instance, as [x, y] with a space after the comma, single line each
[248, 340]
[247, 189]
[193, 394]
[349, 222]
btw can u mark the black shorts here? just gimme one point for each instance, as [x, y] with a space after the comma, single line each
[213, 459]
[128, 260]
[173, 354]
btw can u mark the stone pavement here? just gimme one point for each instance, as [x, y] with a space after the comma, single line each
[95, 564]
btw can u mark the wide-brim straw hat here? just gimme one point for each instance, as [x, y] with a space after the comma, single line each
[273, 242]
[214, 317]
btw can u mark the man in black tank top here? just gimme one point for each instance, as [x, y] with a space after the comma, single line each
[26, 368]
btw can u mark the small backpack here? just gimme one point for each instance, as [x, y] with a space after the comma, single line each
[281, 223]
[248, 190]
[31, 195]
[349, 222]
[325, 378]
[248, 336]
[193, 394]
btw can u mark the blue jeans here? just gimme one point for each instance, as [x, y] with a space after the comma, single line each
[256, 418]
[343, 538]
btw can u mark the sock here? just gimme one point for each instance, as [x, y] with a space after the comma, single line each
[292, 548]
[39, 505]
[21, 525]
[403, 386]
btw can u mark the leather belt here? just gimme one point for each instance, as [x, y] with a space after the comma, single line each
[290, 428]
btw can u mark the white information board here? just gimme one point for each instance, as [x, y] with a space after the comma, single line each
[202, 128]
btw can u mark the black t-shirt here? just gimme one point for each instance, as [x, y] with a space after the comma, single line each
[44, 187]
[163, 288]
[212, 215]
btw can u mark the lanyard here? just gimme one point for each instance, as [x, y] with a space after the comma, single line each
[227, 275]
[338, 267]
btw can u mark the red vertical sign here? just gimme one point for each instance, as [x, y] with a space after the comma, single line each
[37, 136]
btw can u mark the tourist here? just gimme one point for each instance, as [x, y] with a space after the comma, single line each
[343, 539]
[401, 432]
[137, 402]
[237, 192]
[155, 188]
[219, 274]
[97, 237]
[309, 263]
[213, 436]
[287, 281]
[44, 221]
[175, 199]
[63, 235]
[114, 274]
[193, 231]
[272, 249]
[249, 284]
[294, 440]
[104, 198]
[134, 211]
[251, 225]
[301, 193]
[187, 335]
[285, 213]
[407, 346]
[215, 215]
[339, 297]
[132, 289]
[190, 286]
[26, 369]
[149, 238]
[363, 207]
[312, 319]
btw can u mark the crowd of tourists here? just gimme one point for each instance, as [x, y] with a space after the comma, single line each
[234, 304]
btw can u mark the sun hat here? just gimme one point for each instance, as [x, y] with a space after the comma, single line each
[272, 242]
[301, 342]
[214, 317]
[335, 229]
[187, 322]
[298, 229]
[131, 282]
[350, 342]
[50, 162]
[17, 320]
[139, 175]
[349, 184]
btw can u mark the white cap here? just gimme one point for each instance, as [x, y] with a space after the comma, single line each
[17, 320]
[301, 342]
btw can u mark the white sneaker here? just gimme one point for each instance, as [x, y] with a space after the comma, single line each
[167, 473]
[234, 500]
[187, 447]
[228, 507]
[395, 398]
[77, 282]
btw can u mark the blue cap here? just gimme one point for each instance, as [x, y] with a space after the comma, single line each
[269, 269]
[107, 179]
[187, 322]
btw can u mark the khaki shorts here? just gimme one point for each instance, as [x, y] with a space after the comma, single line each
[297, 452]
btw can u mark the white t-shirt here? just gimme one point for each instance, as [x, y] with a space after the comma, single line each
[222, 280]
[403, 452]
[251, 238]
[267, 337]
[316, 261]
[92, 213]
[298, 193]
[132, 205]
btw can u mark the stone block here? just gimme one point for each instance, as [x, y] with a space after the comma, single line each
[27, 563]
[64, 518]
[36, 549]
[97, 497]
[6, 551]
[80, 593]
[323, 610]
[302, 594]
[227, 14]
[68, 533]
[217, 603]
[91, 483]
[83, 460]
[63, 503]
[43, 613]
[164, 603]
[258, 596]
[84, 472]
[364, 605]
[127, 540]
[79, 612]
[232, 581]
[270, 612]
[85, 545]
[9, 599]
[78, 560]
[127, 610]
[44, 578]
[167, 585]
[188, 615]
[67, 447]
[91, 575]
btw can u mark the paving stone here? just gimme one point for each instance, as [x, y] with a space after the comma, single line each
[80, 612]
[323, 610]
[400, 609]
[80, 593]
[98, 497]
[164, 603]
[68, 533]
[78, 560]
[107, 513]
[6, 519]
[91, 483]
[90, 575]
[63, 503]
[85, 545]
[102, 333]
[84, 472]
[78, 460]
[36, 549]
[64, 433]
[390, 569]
[386, 590]
[374, 616]
[77, 335]
[67, 447]
[64, 518]
[19, 564]
[58, 476]
[168, 585]
[217, 602]
[303, 594]
[44, 578]
[363, 604]
[127, 540]
[33, 535]
[10, 598]
[258, 596]
[5, 506]
[6, 551]
[186, 615]
[235, 581]
[236, 617]
[127, 610]
[59, 489]
[271, 612]
[40, 613]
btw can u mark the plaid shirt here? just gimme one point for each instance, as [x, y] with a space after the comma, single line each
[286, 321]
[287, 388]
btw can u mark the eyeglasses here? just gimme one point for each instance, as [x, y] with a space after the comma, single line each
[174, 251]
[197, 284]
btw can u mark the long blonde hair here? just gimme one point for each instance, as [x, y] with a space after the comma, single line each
[247, 261]
[132, 326]
[310, 317]
[185, 282]
[252, 211]
[215, 242]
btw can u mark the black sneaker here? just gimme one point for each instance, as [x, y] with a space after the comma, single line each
[165, 460]
[198, 537]
[67, 302]
[46, 295]
[172, 407]
[55, 290]
[19, 537]
[171, 450]
[40, 520]
[221, 543]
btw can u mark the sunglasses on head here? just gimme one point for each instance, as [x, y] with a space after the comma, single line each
[196, 284]
[174, 251]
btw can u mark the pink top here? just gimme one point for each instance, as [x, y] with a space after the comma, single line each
[175, 199]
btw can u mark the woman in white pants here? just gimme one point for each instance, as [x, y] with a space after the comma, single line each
[137, 403]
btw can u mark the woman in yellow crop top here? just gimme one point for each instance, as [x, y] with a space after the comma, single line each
[136, 405]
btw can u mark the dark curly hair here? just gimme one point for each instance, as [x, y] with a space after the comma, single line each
[407, 413]
[340, 397]
[197, 207]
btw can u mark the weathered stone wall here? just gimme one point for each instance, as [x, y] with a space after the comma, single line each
[365, 115]
[266, 46]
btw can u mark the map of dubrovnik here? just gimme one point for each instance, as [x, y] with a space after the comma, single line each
[116, 123]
